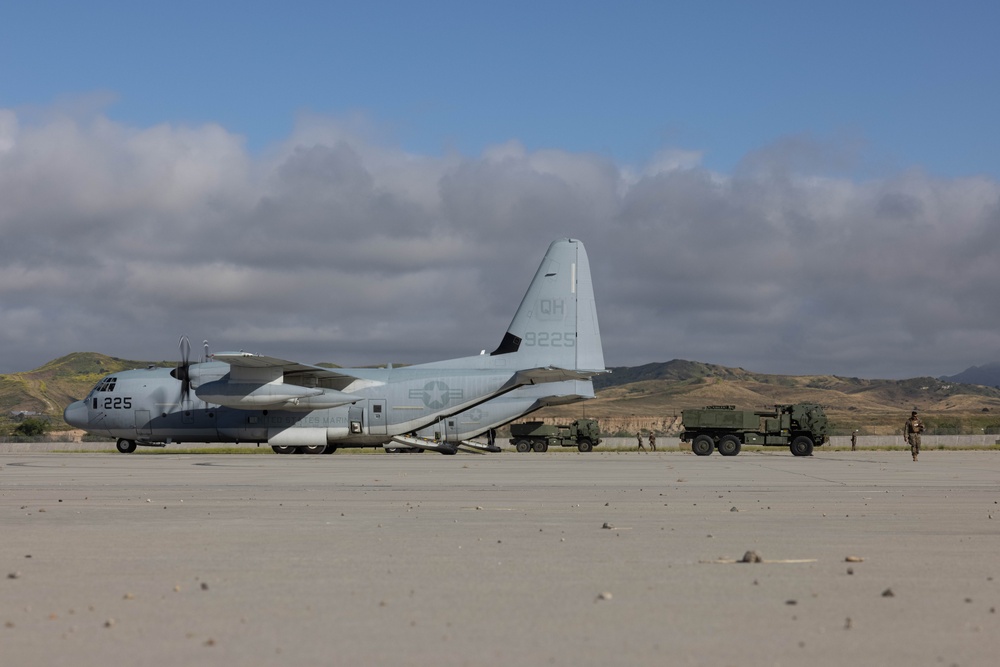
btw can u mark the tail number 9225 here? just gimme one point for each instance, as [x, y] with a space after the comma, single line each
[549, 339]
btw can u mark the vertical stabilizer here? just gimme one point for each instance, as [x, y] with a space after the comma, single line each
[556, 323]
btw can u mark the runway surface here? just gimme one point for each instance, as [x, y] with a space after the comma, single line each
[561, 559]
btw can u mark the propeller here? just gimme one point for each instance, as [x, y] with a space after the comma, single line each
[182, 372]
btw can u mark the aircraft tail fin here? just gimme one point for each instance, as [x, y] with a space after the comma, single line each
[556, 324]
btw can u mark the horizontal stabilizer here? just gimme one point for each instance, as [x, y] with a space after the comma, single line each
[548, 374]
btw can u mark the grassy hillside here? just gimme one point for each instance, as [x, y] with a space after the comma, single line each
[55, 385]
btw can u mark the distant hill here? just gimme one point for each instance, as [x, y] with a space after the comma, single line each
[987, 375]
[55, 385]
[662, 390]
[677, 370]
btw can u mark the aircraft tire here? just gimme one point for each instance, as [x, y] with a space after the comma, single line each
[703, 445]
[278, 449]
[522, 446]
[585, 445]
[330, 449]
[802, 446]
[125, 446]
[729, 445]
[316, 449]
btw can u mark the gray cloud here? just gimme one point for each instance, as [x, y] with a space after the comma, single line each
[336, 246]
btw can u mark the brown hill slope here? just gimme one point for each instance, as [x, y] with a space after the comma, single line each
[661, 391]
[55, 385]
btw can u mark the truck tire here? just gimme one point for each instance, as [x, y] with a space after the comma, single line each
[585, 445]
[522, 446]
[703, 445]
[802, 446]
[729, 445]
[540, 446]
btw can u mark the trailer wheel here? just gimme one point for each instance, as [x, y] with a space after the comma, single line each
[522, 446]
[802, 446]
[703, 445]
[125, 446]
[585, 445]
[729, 445]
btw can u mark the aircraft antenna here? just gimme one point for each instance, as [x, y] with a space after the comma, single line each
[206, 357]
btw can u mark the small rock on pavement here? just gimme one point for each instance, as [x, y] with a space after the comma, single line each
[607, 525]
[751, 557]
[854, 559]
[887, 593]
[606, 595]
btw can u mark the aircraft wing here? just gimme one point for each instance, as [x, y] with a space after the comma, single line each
[258, 382]
[247, 366]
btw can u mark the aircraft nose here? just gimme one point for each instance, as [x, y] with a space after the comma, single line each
[76, 414]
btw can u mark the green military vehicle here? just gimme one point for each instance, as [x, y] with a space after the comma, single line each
[538, 436]
[799, 427]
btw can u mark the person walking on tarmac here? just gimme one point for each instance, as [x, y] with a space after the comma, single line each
[652, 441]
[911, 433]
[638, 437]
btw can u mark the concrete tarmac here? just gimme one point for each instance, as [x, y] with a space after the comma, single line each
[569, 559]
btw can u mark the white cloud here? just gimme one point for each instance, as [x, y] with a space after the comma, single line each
[337, 246]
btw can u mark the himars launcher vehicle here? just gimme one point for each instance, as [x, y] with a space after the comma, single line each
[799, 427]
[240, 397]
[584, 434]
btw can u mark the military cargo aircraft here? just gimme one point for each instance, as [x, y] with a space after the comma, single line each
[240, 397]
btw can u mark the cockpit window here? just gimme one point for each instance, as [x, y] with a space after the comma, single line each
[107, 384]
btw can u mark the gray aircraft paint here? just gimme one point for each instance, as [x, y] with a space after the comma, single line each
[553, 339]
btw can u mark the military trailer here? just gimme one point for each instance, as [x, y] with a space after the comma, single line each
[539, 436]
[799, 427]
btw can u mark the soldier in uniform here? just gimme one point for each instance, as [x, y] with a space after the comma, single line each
[911, 433]
[638, 436]
[652, 441]
[854, 440]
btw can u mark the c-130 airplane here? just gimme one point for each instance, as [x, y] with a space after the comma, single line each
[554, 339]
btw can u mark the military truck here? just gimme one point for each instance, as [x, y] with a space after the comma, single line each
[799, 427]
[538, 436]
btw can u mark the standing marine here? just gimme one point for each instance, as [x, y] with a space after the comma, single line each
[652, 441]
[911, 433]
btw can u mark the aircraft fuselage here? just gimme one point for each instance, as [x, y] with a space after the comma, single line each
[146, 406]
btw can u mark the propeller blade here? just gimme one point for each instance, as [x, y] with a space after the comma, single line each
[183, 368]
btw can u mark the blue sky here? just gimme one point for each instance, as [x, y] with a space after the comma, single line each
[914, 83]
[789, 187]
